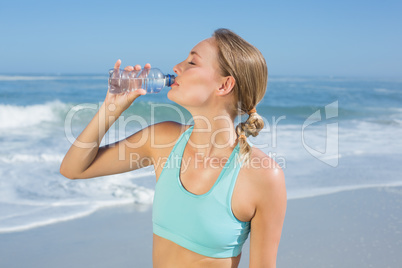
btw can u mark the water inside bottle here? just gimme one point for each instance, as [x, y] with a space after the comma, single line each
[121, 81]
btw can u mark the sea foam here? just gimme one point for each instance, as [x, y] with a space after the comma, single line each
[14, 116]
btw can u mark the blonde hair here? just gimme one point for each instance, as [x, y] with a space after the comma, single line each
[245, 63]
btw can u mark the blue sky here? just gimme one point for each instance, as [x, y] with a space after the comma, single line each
[329, 38]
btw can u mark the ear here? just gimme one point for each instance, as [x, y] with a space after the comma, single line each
[227, 85]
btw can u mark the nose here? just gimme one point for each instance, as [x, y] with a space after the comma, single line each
[177, 68]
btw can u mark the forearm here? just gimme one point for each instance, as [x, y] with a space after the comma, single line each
[85, 148]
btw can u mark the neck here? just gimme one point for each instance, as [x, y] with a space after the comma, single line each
[213, 134]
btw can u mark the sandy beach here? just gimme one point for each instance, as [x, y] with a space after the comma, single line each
[358, 228]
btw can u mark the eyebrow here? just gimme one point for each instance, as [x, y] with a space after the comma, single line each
[195, 53]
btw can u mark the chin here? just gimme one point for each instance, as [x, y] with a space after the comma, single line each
[176, 98]
[183, 99]
[171, 95]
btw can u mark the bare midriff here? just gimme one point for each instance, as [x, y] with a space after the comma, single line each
[167, 254]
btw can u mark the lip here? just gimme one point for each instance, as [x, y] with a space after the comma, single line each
[174, 84]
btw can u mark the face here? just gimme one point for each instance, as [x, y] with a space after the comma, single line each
[198, 76]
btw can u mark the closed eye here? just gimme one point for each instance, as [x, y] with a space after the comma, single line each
[191, 63]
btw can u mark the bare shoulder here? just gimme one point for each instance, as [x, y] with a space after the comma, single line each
[263, 167]
[266, 177]
[165, 134]
[156, 140]
[162, 138]
[159, 134]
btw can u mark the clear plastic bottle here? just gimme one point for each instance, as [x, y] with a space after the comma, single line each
[152, 80]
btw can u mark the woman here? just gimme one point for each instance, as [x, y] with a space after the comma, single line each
[205, 208]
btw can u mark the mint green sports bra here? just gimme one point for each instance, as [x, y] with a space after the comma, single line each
[203, 223]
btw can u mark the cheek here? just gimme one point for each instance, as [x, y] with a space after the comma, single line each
[198, 94]
[202, 83]
[195, 90]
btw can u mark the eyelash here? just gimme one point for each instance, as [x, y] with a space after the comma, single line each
[191, 63]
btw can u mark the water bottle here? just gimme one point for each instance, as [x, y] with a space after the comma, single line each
[152, 80]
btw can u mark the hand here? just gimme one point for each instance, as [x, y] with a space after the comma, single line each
[124, 100]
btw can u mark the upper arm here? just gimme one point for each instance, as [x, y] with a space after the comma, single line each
[131, 153]
[266, 225]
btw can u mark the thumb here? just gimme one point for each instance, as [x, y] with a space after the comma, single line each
[135, 94]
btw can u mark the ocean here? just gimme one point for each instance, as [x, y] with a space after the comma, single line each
[329, 134]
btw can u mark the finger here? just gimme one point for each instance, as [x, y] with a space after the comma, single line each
[116, 72]
[129, 68]
[144, 73]
[117, 64]
[140, 91]
[137, 67]
[131, 96]
[147, 66]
